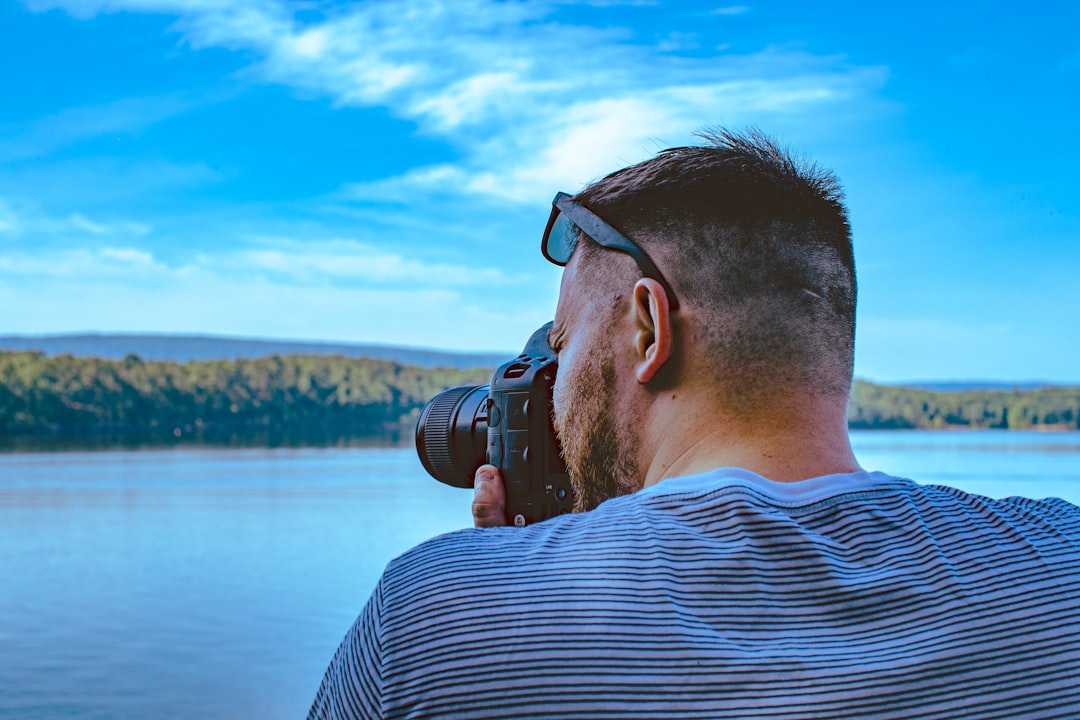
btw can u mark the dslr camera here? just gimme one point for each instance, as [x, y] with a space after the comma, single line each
[507, 424]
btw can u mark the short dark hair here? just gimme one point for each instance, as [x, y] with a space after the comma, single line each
[755, 240]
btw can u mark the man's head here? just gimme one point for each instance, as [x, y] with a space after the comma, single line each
[755, 247]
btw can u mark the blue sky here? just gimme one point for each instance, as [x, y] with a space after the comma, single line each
[381, 171]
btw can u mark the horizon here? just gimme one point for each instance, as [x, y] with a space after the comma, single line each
[380, 173]
[933, 384]
[248, 338]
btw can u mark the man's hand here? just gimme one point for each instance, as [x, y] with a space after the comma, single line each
[489, 498]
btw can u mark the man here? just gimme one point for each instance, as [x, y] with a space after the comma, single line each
[730, 558]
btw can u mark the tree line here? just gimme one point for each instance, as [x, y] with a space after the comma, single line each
[889, 407]
[68, 395]
[65, 395]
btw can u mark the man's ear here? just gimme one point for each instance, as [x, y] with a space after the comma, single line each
[653, 323]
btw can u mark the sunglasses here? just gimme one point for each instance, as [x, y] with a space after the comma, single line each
[569, 218]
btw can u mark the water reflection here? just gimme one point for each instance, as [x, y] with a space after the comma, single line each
[214, 580]
[995, 463]
[267, 439]
[209, 582]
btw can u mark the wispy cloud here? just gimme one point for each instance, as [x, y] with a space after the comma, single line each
[9, 222]
[275, 288]
[730, 10]
[349, 262]
[525, 97]
[516, 88]
[41, 227]
[283, 260]
[91, 264]
[81, 222]
[122, 117]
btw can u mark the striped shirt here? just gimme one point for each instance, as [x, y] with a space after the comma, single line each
[726, 595]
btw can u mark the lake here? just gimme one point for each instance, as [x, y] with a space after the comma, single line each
[216, 583]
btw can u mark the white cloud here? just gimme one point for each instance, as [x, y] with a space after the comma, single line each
[85, 263]
[610, 3]
[530, 100]
[335, 289]
[679, 41]
[131, 257]
[589, 138]
[349, 262]
[9, 222]
[310, 43]
[424, 317]
[472, 97]
[730, 10]
[81, 222]
[40, 227]
[404, 188]
[282, 261]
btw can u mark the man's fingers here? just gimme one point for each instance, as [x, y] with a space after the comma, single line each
[489, 498]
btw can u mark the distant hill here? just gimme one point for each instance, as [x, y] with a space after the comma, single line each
[333, 396]
[185, 348]
[974, 385]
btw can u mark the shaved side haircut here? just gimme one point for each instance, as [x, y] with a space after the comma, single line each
[754, 240]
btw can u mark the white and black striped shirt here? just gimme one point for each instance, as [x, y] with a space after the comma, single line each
[725, 595]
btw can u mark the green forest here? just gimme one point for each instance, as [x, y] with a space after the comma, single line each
[67, 396]
[888, 407]
[299, 394]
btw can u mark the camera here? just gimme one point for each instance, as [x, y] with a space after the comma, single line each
[508, 424]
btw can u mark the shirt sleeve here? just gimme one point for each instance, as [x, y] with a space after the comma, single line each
[353, 684]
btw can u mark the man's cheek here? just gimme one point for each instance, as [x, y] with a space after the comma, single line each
[558, 405]
[564, 407]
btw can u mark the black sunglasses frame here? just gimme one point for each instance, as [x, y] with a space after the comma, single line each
[603, 235]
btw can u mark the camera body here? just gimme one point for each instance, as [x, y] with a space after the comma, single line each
[507, 424]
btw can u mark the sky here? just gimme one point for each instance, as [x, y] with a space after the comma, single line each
[381, 172]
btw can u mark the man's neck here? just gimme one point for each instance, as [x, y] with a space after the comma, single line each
[808, 440]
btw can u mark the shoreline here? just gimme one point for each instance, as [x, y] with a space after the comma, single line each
[61, 443]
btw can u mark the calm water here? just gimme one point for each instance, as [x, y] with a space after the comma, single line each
[199, 583]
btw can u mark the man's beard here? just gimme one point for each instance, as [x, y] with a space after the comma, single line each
[598, 449]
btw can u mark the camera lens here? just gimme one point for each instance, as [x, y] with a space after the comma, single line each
[451, 434]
